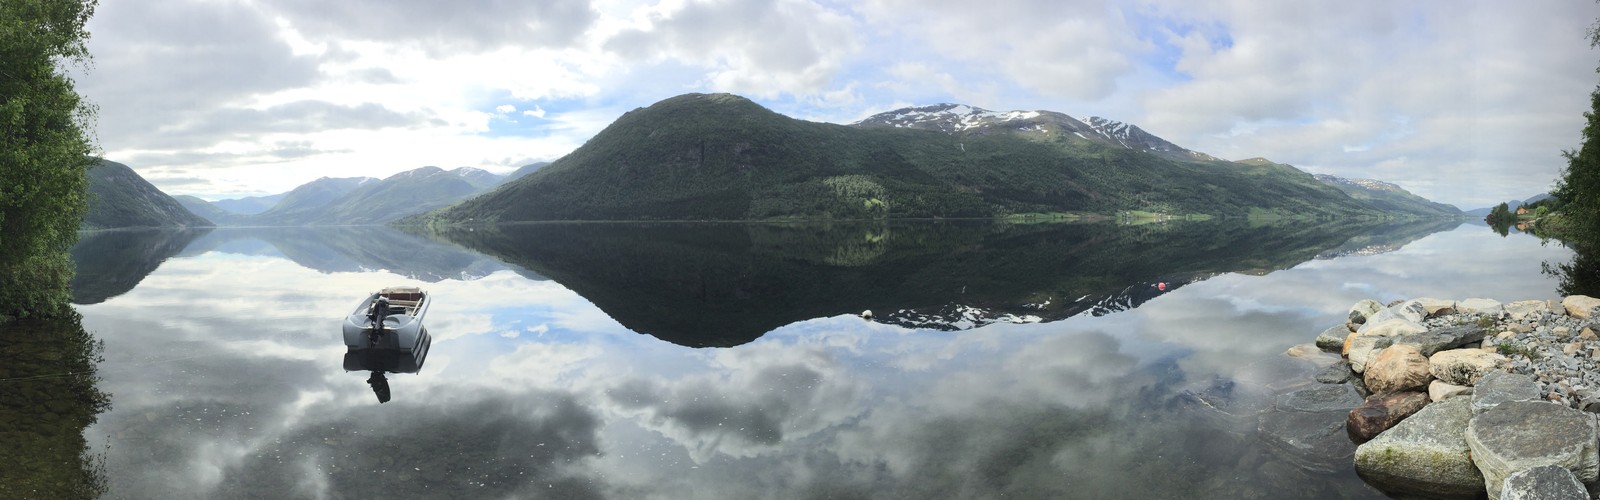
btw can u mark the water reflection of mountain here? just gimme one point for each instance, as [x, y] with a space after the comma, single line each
[109, 263]
[707, 285]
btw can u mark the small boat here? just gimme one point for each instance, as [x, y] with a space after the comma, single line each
[389, 319]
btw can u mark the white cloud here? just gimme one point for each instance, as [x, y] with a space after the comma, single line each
[1465, 103]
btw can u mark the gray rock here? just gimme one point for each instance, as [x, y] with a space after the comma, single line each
[1424, 455]
[1389, 327]
[1313, 441]
[1337, 373]
[1496, 388]
[1363, 310]
[1443, 339]
[1411, 310]
[1340, 398]
[1332, 339]
[1307, 427]
[1437, 307]
[1479, 306]
[1522, 434]
[1545, 482]
[1439, 390]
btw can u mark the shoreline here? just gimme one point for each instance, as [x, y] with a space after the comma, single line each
[1461, 398]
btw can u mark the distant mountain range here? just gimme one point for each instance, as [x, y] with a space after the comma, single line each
[1386, 196]
[723, 157]
[1513, 204]
[355, 200]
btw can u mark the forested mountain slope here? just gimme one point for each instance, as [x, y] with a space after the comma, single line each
[720, 156]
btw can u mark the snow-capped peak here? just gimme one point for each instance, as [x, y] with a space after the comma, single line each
[960, 118]
[946, 117]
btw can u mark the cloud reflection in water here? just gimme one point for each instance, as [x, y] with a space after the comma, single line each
[226, 373]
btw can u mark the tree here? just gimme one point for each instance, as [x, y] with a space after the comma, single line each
[44, 151]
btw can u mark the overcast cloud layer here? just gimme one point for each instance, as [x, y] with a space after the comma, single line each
[1467, 103]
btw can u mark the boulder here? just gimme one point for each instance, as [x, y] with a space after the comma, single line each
[1306, 427]
[1479, 306]
[1436, 307]
[1380, 412]
[1337, 373]
[1497, 387]
[1321, 398]
[1390, 327]
[1363, 310]
[1398, 368]
[1303, 351]
[1545, 482]
[1523, 310]
[1411, 310]
[1332, 339]
[1438, 390]
[1348, 340]
[1463, 366]
[1580, 306]
[1424, 455]
[1363, 349]
[1440, 339]
[1520, 435]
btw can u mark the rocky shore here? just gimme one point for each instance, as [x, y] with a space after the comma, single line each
[1458, 399]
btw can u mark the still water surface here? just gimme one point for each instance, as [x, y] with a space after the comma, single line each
[730, 361]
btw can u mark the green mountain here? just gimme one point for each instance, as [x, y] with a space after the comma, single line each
[406, 193]
[1387, 197]
[522, 171]
[721, 156]
[364, 200]
[307, 201]
[119, 197]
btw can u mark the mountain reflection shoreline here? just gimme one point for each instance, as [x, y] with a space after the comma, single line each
[547, 377]
[726, 284]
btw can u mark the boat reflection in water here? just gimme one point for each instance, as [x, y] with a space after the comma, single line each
[380, 360]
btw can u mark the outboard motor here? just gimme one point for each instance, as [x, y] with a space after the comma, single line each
[380, 312]
[380, 386]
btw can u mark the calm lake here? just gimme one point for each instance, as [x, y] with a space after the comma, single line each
[681, 360]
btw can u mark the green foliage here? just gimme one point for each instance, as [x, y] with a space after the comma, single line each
[1508, 349]
[1578, 190]
[1501, 219]
[722, 157]
[44, 149]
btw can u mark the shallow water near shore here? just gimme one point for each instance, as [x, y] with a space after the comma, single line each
[730, 360]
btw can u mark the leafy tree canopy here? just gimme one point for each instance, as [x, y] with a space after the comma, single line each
[44, 150]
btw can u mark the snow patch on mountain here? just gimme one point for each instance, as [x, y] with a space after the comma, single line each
[961, 118]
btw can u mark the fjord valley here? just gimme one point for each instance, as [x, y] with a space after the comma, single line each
[707, 249]
[723, 157]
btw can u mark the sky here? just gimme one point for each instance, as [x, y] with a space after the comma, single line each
[1468, 103]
